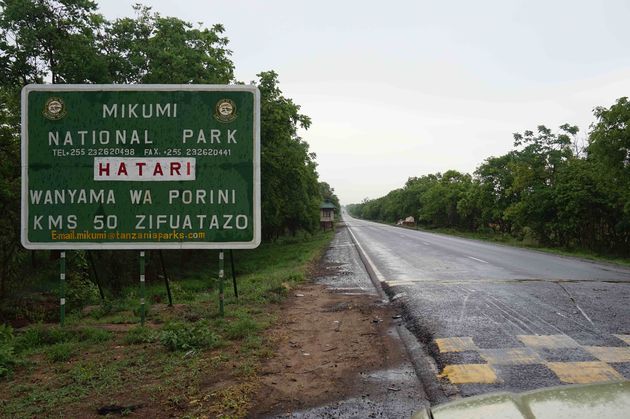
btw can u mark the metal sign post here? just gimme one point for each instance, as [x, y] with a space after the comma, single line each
[142, 289]
[233, 274]
[221, 285]
[95, 272]
[166, 282]
[62, 287]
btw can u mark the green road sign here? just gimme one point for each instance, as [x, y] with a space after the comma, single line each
[140, 167]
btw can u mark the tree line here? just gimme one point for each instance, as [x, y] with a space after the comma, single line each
[551, 189]
[68, 41]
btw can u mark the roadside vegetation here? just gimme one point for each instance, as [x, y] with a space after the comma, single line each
[554, 190]
[186, 361]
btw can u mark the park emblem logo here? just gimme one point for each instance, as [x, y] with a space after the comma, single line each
[54, 109]
[225, 111]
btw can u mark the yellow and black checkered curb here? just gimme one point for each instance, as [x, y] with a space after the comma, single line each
[533, 352]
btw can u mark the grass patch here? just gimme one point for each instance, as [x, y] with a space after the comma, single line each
[61, 352]
[95, 375]
[93, 335]
[140, 335]
[242, 327]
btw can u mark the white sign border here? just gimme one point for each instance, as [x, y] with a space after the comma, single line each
[61, 245]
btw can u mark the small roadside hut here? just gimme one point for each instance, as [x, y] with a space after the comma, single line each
[409, 222]
[326, 215]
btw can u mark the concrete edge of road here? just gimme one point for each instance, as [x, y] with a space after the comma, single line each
[374, 275]
[423, 364]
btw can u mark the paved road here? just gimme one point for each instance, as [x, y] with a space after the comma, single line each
[501, 318]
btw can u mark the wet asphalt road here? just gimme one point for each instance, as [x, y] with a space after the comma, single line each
[502, 318]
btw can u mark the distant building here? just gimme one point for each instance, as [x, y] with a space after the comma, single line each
[326, 215]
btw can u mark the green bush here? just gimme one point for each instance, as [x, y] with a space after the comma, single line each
[179, 336]
[7, 351]
[80, 290]
[140, 335]
[6, 333]
[7, 359]
[105, 308]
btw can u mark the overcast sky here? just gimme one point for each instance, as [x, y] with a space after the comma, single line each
[405, 88]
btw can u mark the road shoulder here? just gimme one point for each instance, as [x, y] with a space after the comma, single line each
[337, 351]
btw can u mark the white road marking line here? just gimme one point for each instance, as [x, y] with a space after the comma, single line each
[478, 260]
[402, 282]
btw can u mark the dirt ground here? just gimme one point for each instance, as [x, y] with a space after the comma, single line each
[333, 347]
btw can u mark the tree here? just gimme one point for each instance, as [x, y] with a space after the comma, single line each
[439, 203]
[609, 150]
[9, 188]
[290, 192]
[586, 207]
[154, 49]
[51, 40]
[495, 178]
[39, 40]
[609, 141]
[535, 168]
